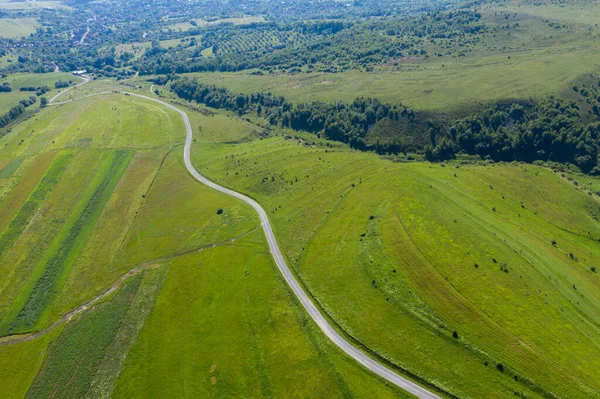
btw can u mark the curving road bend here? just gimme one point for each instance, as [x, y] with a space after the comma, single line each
[314, 313]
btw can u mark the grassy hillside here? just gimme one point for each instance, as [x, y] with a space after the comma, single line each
[10, 99]
[480, 278]
[245, 336]
[17, 27]
[95, 196]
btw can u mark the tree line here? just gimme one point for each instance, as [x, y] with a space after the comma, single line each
[551, 129]
[16, 111]
[345, 122]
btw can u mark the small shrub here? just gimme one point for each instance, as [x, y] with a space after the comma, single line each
[219, 211]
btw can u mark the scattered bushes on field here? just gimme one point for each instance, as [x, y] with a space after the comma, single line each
[39, 90]
[61, 84]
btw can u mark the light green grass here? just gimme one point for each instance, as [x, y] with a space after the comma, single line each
[207, 52]
[36, 240]
[9, 100]
[574, 11]
[31, 306]
[32, 204]
[389, 252]
[185, 26]
[109, 121]
[136, 49]
[20, 185]
[11, 168]
[17, 27]
[71, 365]
[244, 335]
[238, 20]
[20, 363]
[172, 216]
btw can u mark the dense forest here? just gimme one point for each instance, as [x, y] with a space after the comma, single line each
[549, 130]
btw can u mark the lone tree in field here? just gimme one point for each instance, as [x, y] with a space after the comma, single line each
[43, 102]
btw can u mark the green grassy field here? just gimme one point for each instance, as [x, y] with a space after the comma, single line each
[484, 272]
[17, 27]
[96, 188]
[247, 338]
[184, 26]
[455, 86]
[16, 81]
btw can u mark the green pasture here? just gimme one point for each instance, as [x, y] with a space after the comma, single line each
[17, 27]
[31, 5]
[225, 325]
[184, 26]
[29, 356]
[451, 86]
[574, 12]
[9, 100]
[401, 256]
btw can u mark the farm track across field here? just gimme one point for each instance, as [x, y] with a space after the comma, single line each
[8, 340]
[356, 354]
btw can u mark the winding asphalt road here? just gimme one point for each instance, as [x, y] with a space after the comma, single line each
[314, 313]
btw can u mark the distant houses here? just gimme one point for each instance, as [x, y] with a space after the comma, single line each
[77, 73]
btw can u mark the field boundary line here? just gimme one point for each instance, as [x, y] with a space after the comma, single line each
[16, 339]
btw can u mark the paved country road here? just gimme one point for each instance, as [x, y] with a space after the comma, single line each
[314, 313]
[290, 279]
